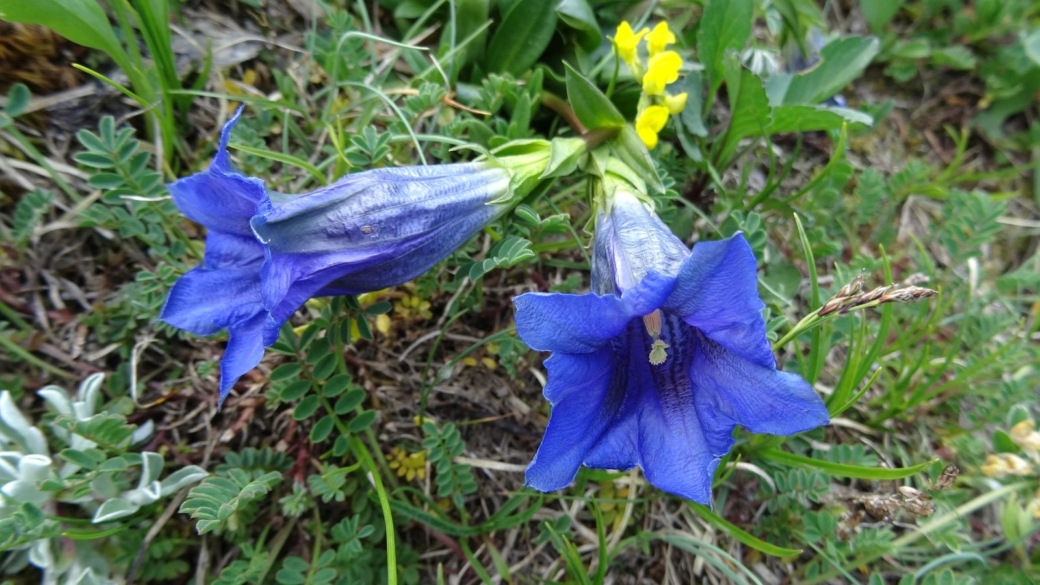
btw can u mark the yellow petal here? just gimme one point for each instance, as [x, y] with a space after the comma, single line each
[662, 69]
[627, 41]
[383, 324]
[649, 137]
[659, 39]
[649, 122]
[675, 103]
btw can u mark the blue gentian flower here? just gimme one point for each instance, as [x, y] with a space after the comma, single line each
[268, 253]
[658, 364]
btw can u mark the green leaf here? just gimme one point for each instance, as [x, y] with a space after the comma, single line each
[522, 37]
[336, 385]
[956, 57]
[725, 25]
[286, 372]
[878, 13]
[740, 535]
[629, 149]
[842, 469]
[294, 390]
[362, 421]
[840, 62]
[509, 252]
[749, 107]
[17, 100]
[1031, 45]
[692, 115]
[578, 15]
[349, 401]
[802, 118]
[307, 407]
[88, 459]
[325, 367]
[592, 107]
[322, 429]
[564, 154]
[81, 21]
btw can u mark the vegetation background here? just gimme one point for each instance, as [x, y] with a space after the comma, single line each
[384, 438]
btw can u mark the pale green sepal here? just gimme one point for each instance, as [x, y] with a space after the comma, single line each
[564, 156]
[630, 150]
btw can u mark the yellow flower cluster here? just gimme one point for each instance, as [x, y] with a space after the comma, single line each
[1004, 464]
[408, 465]
[660, 69]
[1025, 435]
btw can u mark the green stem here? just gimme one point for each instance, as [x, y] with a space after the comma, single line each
[8, 344]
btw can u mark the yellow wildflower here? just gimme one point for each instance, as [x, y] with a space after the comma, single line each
[1004, 464]
[662, 69]
[408, 466]
[659, 38]
[649, 123]
[1025, 436]
[675, 103]
[383, 324]
[626, 42]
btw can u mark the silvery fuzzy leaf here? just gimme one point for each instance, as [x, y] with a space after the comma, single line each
[41, 555]
[15, 428]
[113, 509]
[90, 391]
[182, 477]
[145, 495]
[151, 468]
[142, 433]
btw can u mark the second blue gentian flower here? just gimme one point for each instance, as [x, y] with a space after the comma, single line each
[659, 363]
[268, 253]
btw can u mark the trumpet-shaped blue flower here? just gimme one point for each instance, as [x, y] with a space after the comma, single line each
[657, 366]
[268, 253]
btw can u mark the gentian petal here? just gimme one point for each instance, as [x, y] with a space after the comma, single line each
[583, 407]
[220, 198]
[244, 351]
[659, 428]
[730, 389]
[584, 323]
[232, 251]
[716, 291]
[631, 242]
[204, 300]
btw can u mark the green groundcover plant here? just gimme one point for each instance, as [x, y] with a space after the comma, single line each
[460, 291]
